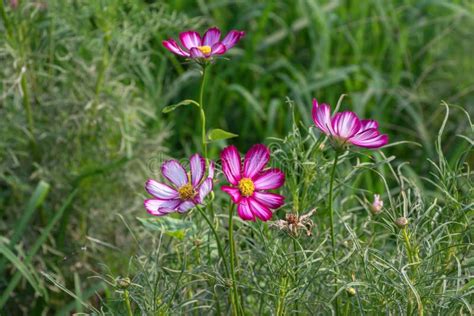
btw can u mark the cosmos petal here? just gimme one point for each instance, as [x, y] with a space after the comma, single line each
[174, 172]
[255, 160]
[233, 192]
[160, 190]
[259, 210]
[270, 200]
[269, 180]
[211, 37]
[197, 165]
[244, 211]
[190, 39]
[231, 164]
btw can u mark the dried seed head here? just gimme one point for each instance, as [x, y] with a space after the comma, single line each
[401, 222]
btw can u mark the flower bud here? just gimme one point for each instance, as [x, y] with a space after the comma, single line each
[351, 291]
[377, 205]
[401, 222]
[123, 283]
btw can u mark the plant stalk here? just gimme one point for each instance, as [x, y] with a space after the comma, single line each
[219, 246]
[203, 113]
[331, 215]
[127, 303]
[235, 305]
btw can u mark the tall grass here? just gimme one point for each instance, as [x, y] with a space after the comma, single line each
[82, 86]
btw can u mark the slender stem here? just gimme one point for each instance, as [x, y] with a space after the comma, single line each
[219, 246]
[331, 214]
[331, 209]
[127, 303]
[203, 113]
[235, 308]
[6, 21]
[407, 245]
[280, 310]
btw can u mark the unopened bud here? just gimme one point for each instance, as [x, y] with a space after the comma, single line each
[351, 291]
[377, 205]
[123, 283]
[401, 222]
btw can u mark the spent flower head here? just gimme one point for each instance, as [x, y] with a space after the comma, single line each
[345, 128]
[250, 183]
[186, 189]
[203, 49]
[293, 223]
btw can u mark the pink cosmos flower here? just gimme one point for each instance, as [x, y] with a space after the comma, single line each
[207, 46]
[186, 190]
[346, 128]
[250, 182]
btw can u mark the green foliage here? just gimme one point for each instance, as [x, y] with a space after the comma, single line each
[83, 89]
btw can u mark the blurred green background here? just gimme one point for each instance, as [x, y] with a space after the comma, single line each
[83, 84]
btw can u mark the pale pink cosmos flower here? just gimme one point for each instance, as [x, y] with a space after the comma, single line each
[195, 46]
[345, 128]
[250, 183]
[186, 189]
[377, 205]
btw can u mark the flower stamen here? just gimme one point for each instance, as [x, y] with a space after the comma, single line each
[206, 50]
[246, 187]
[186, 192]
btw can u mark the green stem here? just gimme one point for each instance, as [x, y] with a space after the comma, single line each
[27, 104]
[6, 21]
[331, 214]
[235, 308]
[127, 303]
[203, 114]
[282, 295]
[406, 238]
[219, 246]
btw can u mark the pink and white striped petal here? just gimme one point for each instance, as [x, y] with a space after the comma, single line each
[369, 138]
[322, 117]
[160, 190]
[210, 171]
[197, 165]
[174, 172]
[255, 160]
[218, 49]
[270, 200]
[231, 164]
[232, 38]
[233, 192]
[366, 124]
[244, 211]
[159, 207]
[211, 37]
[259, 210]
[185, 206]
[196, 53]
[173, 47]
[345, 124]
[204, 190]
[190, 39]
[269, 180]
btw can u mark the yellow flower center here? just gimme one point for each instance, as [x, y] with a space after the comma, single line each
[246, 187]
[186, 192]
[206, 50]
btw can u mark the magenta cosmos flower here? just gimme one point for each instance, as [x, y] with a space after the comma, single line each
[346, 128]
[186, 190]
[207, 46]
[251, 182]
